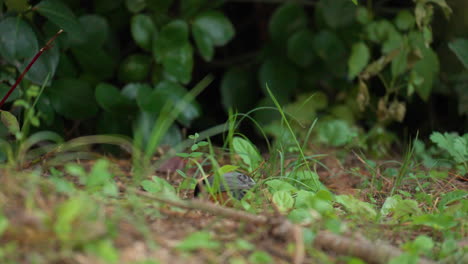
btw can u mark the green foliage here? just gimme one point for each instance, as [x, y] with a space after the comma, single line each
[248, 152]
[456, 146]
[302, 53]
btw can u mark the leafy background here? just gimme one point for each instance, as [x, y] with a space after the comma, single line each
[380, 69]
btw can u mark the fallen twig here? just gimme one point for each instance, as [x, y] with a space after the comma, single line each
[368, 251]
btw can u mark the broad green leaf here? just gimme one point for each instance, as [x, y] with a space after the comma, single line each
[95, 61]
[338, 13]
[131, 90]
[358, 60]
[104, 249]
[167, 91]
[280, 76]
[67, 213]
[143, 31]
[427, 68]
[4, 90]
[216, 26]
[17, 39]
[96, 30]
[57, 12]
[451, 197]
[399, 63]
[287, 19]
[390, 204]
[204, 43]
[356, 206]
[189, 8]
[227, 168]
[159, 186]
[172, 35]
[198, 240]
[331, 49]
[135, 6]
[173, 49]
[210, 29]
[438, 222]
[72, 98]
[134, 68]
[404, 20]
[301, 48]
[110, 98]
[238, 89]
[10, 122]
[460, 48]
[336, 133]
[45, 65]
[283, 201]
[247, 151]
[280, 185]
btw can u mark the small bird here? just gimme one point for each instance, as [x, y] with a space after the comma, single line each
[233, 184]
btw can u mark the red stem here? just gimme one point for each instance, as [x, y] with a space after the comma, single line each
[20, 78]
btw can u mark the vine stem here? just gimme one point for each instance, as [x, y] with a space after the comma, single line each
[47, 46]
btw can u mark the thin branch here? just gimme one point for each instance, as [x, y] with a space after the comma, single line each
[47, 46]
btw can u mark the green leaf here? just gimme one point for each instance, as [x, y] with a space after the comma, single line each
[238, 89]
[204, 43]
[134, 68]
[131, 90]
[3, 223]
[68, 212]
[455, 145]
[339, 13]
[110, 98]
[287, 19]
[159, 186]
[283, 200]
[96, 30]
[356, 206]
[336, 133]
[215, 25]
[280, 185]
[300, 48]
[281, 77]
[427, 68]
[10, 122]
[198, 240]
[167, 91]
[172, 48]
[331, 49]
[4, 90]
[404, 20]
[460, 48]
[399, 63]
[438, 222]
[95, 61]
[247, 151]
[143, 30]
[45, 65]
[57, 12]
[358, 60]
[17, 39]
[135, 6]
[451, 197]
[227, 168]
[72, 98]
